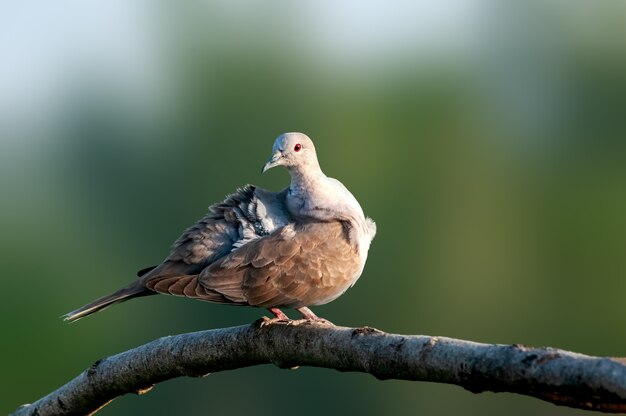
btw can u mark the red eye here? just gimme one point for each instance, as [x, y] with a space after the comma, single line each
[297, 147]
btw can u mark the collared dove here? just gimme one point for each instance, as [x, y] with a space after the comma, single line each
[302, 246]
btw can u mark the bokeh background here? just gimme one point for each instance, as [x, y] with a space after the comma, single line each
[486, 138]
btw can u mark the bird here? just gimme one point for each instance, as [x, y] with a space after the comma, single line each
[303, 246]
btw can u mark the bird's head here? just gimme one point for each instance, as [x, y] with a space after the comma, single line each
[295, 151]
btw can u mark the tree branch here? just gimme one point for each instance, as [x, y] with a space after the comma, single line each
[558, 376]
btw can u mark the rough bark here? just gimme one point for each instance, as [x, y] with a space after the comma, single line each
[558, 376]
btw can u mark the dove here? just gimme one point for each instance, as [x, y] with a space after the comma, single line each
[300, 247]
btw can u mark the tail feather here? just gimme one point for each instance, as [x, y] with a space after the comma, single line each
[132, 291]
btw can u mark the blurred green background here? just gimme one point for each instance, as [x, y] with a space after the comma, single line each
[486, 138]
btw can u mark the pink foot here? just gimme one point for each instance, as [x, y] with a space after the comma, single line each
[310, 316]
[280, 315]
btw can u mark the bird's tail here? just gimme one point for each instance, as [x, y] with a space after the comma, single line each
[131, 291]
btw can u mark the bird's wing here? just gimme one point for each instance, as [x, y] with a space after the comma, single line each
[298, 265]
[244, 216]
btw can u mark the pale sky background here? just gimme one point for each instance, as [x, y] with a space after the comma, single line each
[43, 44]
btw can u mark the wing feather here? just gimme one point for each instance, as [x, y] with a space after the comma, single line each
[298, 265]
[244, 216]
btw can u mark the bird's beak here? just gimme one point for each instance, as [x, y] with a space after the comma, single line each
[272, 161]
